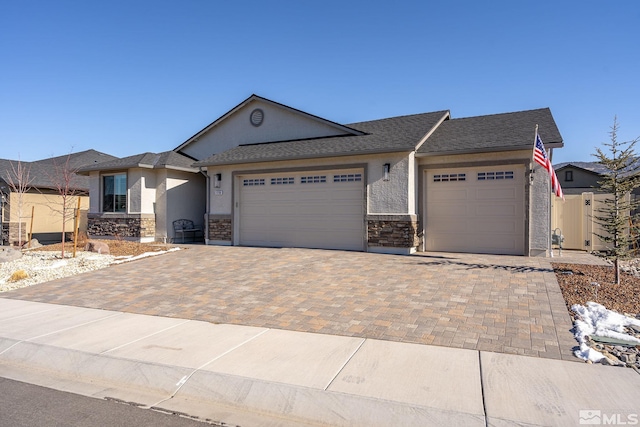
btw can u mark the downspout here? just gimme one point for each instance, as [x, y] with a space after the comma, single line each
[208, 205]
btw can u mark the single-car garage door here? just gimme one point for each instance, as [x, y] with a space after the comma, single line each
[475, 210]
[318, 209]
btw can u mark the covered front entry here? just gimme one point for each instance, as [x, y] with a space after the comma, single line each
[310, 209]
[475, 210]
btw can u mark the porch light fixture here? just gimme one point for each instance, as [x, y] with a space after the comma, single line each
[386, 169]
[217, 180]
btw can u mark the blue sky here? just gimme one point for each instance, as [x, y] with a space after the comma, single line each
[125, 77]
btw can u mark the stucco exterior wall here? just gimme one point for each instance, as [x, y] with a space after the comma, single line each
[279, 124]
[141, 191]
[540, 212]
[94, 192]
[162, 229]
[47, 214]
[477, 157]
[383, 197]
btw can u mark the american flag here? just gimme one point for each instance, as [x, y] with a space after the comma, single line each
[540, 156]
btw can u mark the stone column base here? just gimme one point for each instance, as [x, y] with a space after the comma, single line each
[219, 230]
[394, 234]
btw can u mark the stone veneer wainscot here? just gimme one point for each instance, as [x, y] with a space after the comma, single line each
[121, 225]
[396, 231]
[220, 228]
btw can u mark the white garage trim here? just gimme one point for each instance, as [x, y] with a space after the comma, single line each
[475, 209]
[310, 208]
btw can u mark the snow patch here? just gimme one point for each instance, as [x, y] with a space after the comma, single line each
[595, 319]
[120, 260]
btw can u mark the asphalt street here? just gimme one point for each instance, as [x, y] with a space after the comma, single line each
[27, 405]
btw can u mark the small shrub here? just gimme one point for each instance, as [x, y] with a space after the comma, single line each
[18, 275]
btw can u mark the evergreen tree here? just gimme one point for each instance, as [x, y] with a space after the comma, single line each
[621, 178]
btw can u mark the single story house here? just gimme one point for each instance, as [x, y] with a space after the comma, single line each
[280, 177]
[43, 198]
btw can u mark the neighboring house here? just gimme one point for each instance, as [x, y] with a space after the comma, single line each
[580, 177]
[43, 197]
[281, 177]
[574, 217]
[139, 197]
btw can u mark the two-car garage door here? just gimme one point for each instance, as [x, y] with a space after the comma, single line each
[316, 209]
[476, 210]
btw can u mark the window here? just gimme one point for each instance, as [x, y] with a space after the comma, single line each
[114, 193]
[568, 175]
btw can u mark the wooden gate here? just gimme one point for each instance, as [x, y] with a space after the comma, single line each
[574, 217]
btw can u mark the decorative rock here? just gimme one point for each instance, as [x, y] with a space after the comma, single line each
[628, 358]
[32, 245]
[8, 253]
[98, 247]
[608, 362]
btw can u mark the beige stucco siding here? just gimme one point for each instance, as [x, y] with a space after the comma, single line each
[477, 157]
[94, 191]
[47, 212]
[279, 124]
[383, 197]
[141, 190]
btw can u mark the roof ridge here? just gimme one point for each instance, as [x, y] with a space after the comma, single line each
[501, 114]
[399, 117]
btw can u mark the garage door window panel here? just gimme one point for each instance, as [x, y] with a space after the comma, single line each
[253, 182]
[357, 177]
[319, 179]
[450, 177]
[283, 181]
[492, 176]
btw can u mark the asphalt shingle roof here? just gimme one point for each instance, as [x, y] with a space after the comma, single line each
[394, 134]
[594, 167]
[42, 173]
[496, 132]
[166, 159]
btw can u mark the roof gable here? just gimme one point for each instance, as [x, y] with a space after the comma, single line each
[259, 120]
[496, 132]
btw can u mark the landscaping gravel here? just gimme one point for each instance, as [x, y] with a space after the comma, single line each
[581, 283]
[42, 266]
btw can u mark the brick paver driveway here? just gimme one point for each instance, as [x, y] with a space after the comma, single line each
[485, 302]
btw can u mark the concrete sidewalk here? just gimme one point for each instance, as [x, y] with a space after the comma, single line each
[246, 375]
